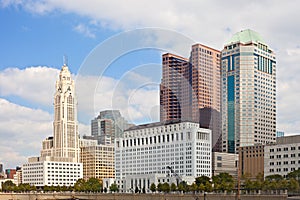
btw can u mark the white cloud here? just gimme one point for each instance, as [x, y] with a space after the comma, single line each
[22, 131]
[35, 84]
[85, 30]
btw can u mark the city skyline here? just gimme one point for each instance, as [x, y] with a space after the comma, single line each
[40, 33]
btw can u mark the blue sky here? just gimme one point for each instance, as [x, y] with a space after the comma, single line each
[124, 39]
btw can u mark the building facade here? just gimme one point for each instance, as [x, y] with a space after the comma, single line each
[251, 161]
[282, 157]
[175, 88]
[51, 173]
[108, 125]
[98, 161]
[190, 89]
[224, 162]
[58, 163]
[248, 92]
[157, 148]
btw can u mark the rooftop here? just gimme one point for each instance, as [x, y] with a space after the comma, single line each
[246, 36]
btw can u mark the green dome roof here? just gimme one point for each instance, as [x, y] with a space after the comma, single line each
[246, 36]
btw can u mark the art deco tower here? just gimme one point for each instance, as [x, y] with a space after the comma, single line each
[65, 138]
[248, 92]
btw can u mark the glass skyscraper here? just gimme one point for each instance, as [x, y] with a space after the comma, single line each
[248, 79]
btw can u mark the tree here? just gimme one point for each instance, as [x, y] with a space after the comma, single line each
[293, 185]
[173, 187]
[223, 182]
[202, 180]
[166, 187]
[193, 187]
[159, 187]
[274, 177]
[294, 174]
[80, 185]
[182, 186]
[114, 188]
[93, 185]
[203, 183]
[153, 187]
[8, 186]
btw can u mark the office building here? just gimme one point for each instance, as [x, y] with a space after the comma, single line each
[10, 173]
[251, 161]
[224, 163]
[175, 88]
[108, 125]
[206, 90]
[98, 161]
[180, 149]
[248, 92]
[190, 89]
[279, 133]
[282, 157]
[60, 156]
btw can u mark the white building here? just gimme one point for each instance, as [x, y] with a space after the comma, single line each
[282, 157]
[52, 173]
[150, 149]
[60, 156]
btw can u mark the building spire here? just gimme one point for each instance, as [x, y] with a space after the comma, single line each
[65, 60]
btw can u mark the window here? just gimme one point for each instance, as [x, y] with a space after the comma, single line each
[219, 164]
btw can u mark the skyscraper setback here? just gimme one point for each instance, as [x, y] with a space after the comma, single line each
[190, 89]
[248, 92]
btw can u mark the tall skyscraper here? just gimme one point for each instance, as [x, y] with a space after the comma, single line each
[206, 90]
[174, 88]
[60, 155]
[248, 92]
[190, 89]
[65, 143]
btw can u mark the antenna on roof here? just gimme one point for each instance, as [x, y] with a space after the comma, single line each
[65, 60]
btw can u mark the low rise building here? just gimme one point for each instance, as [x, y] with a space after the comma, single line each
[51, 173]
[175, 148]
[282, 157]
[224, 162]
[251, 160]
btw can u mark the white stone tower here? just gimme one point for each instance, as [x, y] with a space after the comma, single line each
[65, 127]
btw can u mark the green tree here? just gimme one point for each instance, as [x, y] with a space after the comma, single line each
[223, 182]
[193, 187]
[274, 177]
[202, 180]
[8, 186]
[93, 185]
[114, 187]
[293, 185]
[153, 187]
[182, 187]
[80, 185]
[294, 174]
[159, 187]
[166, 187]
[173, 187]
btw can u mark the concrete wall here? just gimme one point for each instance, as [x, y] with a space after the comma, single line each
[120, 196]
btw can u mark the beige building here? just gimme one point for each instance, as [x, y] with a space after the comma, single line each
[224, 162]
[251, 161]
[98, 161]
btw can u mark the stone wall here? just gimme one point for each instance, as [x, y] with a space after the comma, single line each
[117, 196]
